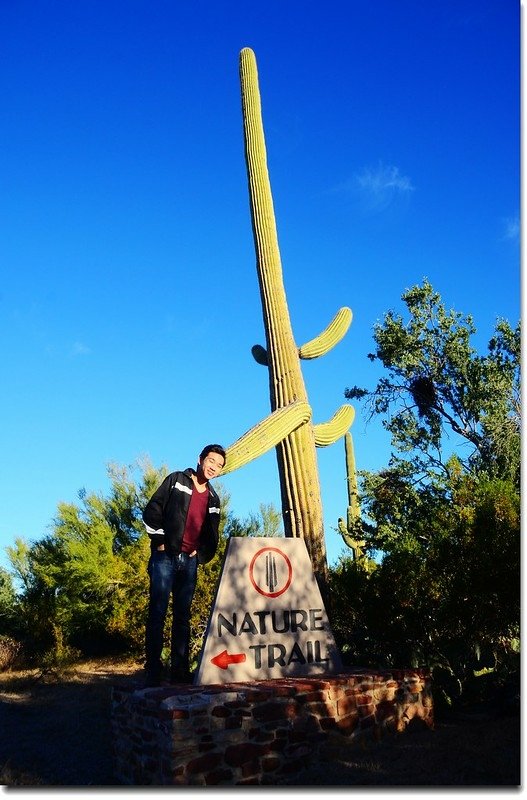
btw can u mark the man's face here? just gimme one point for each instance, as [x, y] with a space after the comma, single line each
[211, 465]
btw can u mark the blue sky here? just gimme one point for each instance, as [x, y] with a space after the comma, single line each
[129, 298]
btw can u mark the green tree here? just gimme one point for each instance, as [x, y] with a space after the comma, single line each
[436, 382]
[267, 521]
[445, 594]
[7, 602]
[444, 513]
[85, 583]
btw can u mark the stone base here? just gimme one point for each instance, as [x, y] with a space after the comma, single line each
[256, 732]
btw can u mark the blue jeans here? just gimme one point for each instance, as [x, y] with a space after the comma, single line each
[176, 575]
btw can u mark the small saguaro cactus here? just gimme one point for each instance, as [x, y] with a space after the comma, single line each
[351, 527]
[289, 427]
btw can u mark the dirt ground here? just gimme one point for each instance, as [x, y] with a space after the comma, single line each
[55, 731]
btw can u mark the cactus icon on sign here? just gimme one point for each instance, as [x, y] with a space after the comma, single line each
[270, 572]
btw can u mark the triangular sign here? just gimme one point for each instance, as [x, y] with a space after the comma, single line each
[268, 619]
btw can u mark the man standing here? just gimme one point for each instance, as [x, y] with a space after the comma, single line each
[182, 519]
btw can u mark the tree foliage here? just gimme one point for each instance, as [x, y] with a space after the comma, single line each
[84, 586]
[267, 521]
[7, 602]
[444, 513]
[85, 583]
[437, 384]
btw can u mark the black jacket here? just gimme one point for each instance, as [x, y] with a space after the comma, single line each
[165, 515]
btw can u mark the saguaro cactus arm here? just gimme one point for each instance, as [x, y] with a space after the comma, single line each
[329, 337]
[266, 434]
[355, 545]
[327, 433]
[320, 345]
[260, 355]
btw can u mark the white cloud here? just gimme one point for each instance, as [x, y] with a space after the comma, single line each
[382, 185]
[512, 228]
[376, 188]
[80, 349]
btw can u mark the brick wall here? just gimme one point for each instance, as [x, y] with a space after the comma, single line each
[258, 732]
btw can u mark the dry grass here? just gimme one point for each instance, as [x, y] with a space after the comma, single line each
[55, 731]
[55, 727]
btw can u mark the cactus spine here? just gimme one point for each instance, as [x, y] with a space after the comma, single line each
[328, 432]
[296, 454]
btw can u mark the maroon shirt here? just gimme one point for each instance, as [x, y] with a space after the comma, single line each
[195, 518]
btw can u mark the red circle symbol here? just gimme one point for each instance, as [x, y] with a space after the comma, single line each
[275, 575]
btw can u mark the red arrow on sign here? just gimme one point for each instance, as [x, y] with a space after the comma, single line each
[224, 659]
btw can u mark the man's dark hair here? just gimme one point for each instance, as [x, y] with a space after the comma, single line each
[213, 448]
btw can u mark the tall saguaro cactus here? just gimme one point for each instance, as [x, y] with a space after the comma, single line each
[296, 455]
